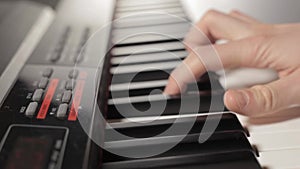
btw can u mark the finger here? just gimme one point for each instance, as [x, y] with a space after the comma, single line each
[250, 52]
[263, 99]
[239, 15]
[188, 71]
[242, 53]
[214, 26]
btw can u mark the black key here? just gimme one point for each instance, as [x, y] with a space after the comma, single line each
[229, 142]
[140, 106]
[147, 38]
[204, 85]
[232, 160]
[147, 48]
[208, 82]
[141, 76]
[228, 123]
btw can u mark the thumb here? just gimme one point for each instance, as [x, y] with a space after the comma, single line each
[262, 99]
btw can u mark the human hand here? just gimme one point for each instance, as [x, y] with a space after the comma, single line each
[250, 44]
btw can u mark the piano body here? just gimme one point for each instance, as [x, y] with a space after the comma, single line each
[81, 84]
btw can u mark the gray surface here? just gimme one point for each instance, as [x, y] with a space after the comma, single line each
[51, 3]
[271, 11]
[16, 20]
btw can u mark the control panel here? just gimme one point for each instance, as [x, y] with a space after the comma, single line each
[40, 124]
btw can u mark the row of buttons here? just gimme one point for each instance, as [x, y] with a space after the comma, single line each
[38, 93]
[70, 84]
[55, 56]
[55, 154]
[65, 97]
[45, 79]
[61, 112]
[79, 55]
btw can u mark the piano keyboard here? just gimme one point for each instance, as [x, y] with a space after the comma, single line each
[141, 59]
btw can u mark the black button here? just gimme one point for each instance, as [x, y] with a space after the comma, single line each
[70, 84]
[43, 83]
[62, 110]
[66, 96]
[47, 72]
[37, 95]
[73, 74]
[31, 109]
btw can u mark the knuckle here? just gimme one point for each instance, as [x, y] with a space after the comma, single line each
[234, 11]
[259, 39]
[211, 12]
[263, 29]
[259, 47]
[209, 15]
[266, 96]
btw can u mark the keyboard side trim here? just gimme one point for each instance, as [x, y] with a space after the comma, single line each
[12, 70]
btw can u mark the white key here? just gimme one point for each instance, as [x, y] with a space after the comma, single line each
[269, 124]
[144, 67]
[148, 20]
[128, 3]
[148, 7]
[137, 99]
[270, 141]
[149, 57]
[180, 27]
[282, 159]
[137, 13]
[147, 48]
[137, 85]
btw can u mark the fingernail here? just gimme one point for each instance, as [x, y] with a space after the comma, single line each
[241, 99]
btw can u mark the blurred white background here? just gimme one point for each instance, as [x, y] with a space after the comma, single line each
[270, 11]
